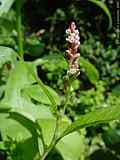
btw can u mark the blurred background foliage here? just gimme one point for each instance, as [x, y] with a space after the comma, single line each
[98, 85]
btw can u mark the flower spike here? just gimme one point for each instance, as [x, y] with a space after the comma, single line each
[73, 43]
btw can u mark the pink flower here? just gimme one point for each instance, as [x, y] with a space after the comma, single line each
[73, 41]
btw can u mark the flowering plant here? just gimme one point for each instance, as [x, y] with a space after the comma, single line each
[32, 113]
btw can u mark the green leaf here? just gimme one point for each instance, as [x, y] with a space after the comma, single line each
[36, 93]
[12, 128]
[33, 112]
[15, 96]
[90, 70]
[7, 55]
[65, 122]
[93, 118]
[44, 88]
[21, 123]
[2, 146]
[23, 112]
[5, 5]
[111, 137]
[19, 78]
[25, 150]
[70, 146]
[52, 62]
[104, 7]
[33, 46]
[47, 126]
[116, 90]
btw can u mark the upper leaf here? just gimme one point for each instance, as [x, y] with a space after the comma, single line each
[90, 69]
[93, 118]
[103, 6]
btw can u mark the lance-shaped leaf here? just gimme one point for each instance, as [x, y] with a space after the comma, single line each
[93, 118]
[90, 70]
[103, 6]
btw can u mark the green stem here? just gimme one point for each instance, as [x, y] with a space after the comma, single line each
[55, 137]
[19, 27]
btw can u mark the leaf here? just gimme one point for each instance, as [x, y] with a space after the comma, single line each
[116, 90]
[36, 93]
[44, 88]
[25, 150]
[5, 5]
[34, 47]
[4, 108]
[7, 55]
[33, 112]
[12, 128]
[47, 126]
[18, 79]
[104, 7]
[2, 145]
[21, 123]
[90, 69]
[23, 112]
[52, 62]
[93, 118]
[15, 96]
[111, 137]
[65, 122]
[70, 146]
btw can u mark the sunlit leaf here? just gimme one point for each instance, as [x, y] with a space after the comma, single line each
[12, 128]
[70, 146]
[93, 118]
[36, 93]
[18, 79]
[47, 126]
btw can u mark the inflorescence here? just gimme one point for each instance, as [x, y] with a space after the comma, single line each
[73, 43]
